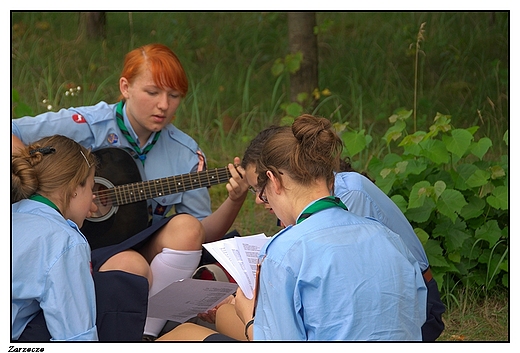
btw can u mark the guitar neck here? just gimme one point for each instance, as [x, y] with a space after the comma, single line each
[124, 194]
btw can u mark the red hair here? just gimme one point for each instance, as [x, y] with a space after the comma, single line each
[167, 70]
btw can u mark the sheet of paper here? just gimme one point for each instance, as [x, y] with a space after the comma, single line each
[249, 247]
[182, 300]
[239, 256]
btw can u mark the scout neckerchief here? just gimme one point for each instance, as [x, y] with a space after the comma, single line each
[320, 205]
[140, 154]
[43, 199]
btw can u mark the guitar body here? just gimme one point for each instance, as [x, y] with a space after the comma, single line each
[119, 167]
[122, 209]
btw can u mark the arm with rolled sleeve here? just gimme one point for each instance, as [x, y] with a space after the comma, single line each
[68, 301]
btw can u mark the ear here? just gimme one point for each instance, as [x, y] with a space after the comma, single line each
[277, 183]
[123, 87]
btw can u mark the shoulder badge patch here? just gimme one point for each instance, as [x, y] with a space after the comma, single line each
[79, 119]
[112, 138]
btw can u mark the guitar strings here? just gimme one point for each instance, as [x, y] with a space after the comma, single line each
[186, 178]
[135, 190]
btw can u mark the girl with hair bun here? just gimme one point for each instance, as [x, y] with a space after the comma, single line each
[329, 274]
[52, 285]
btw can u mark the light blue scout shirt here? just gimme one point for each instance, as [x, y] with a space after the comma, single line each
[95, 127]
[339, 276]
[364, 198]
[51, 270]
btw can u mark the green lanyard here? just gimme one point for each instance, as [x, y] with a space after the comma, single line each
[43, 199]
[140, 154]
[320, 205]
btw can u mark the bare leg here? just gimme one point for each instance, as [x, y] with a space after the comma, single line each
[187, 332]
[128, 261]
[182, 232]
[228, 323]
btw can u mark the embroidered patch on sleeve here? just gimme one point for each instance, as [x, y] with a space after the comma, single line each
[79, 119]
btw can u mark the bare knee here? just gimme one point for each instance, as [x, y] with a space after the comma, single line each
[182, 232]
[187, 332]
[128, 261]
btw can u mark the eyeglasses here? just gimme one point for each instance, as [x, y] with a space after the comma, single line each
[261, 195]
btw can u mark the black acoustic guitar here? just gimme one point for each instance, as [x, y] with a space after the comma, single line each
[122, 209]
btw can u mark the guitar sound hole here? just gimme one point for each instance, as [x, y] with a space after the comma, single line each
[102, 201]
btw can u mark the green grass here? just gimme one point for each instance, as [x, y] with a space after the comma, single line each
[366, 60]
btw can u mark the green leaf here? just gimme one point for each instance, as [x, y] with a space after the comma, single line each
[499, 198]
[394, 132]
[418, 194]
[478, 178]
[434, 253]
[421, 214]
[385, 184]
[412, 139]
[400, 115]
[277, 67]
[293, 62]
[415, 166]
[22, 109]
[354, 141]
[506, 137]
[287, 121]
[481, 147]
[454, 234]
[458, 142]
[400, 202]
[473, 209]
[455, 257]
[301, 97]
[472, 130]
[422, 235]
[490, 232]
[450, 203]
[294, 109]
[439, 188]
[497, 172]
[435, 151]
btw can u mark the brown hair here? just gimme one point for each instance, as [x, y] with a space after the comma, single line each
[166, 68]
[52, 165]
[254, 150]
[307, 151]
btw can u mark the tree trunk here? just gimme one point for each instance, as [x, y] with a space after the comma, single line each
[302, 38]
[93, 24]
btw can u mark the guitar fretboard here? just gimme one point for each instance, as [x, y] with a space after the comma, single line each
[134, 192]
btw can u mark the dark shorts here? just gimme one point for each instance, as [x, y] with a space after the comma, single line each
[218, 337]
[36, 330]
[433, 327]
[121, 297]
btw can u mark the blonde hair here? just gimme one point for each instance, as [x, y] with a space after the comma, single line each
[53, 165]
